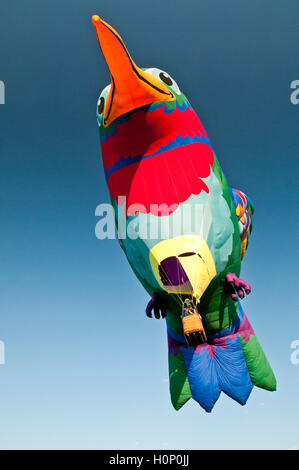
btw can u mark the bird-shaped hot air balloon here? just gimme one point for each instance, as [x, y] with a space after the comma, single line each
[182, 228]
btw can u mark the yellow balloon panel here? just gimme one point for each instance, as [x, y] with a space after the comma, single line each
[183, 265]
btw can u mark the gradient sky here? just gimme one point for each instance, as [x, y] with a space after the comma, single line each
[85, 369]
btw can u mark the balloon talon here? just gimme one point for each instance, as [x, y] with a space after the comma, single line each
[155, 305]
[236, 284]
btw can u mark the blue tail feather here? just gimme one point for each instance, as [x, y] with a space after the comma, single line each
[218, 365]
[202, 376]
[233, 376]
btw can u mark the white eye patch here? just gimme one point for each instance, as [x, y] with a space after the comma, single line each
[165, 78]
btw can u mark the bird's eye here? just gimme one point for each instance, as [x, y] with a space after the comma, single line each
[165, 78]
[101, 105]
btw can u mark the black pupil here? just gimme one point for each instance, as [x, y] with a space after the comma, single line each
[165, 79]
[101, 105]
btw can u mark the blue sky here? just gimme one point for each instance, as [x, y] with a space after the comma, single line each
[85, 369]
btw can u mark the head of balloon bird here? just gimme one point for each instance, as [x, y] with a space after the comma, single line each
[155, 152]
[143, 114]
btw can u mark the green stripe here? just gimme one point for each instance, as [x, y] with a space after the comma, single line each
[258, 366]
[178, 381]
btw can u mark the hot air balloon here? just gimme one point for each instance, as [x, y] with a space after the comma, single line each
[183, 229]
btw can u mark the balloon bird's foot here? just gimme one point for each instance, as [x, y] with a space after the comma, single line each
[156, 305]
[237, 286]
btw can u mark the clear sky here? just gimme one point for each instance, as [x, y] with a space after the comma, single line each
[84, 366]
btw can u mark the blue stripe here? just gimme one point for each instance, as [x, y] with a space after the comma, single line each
[175, 336]
[178, 142]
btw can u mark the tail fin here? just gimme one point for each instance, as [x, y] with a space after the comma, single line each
[231, 361]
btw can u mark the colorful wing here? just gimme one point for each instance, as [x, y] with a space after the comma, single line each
[244, 211]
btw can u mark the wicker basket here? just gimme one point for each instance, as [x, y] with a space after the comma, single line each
[193, 330]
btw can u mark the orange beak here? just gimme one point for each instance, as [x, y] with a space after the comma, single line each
[131, 87]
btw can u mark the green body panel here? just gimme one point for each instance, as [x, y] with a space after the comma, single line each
[178, 381]
[258, 366]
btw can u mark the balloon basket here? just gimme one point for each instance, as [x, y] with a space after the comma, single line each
[194, 331]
